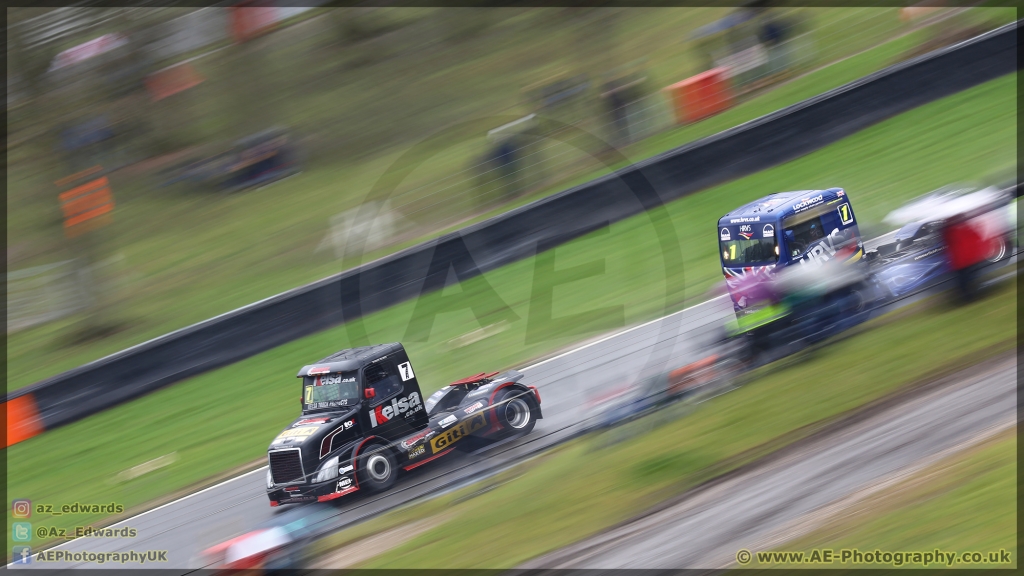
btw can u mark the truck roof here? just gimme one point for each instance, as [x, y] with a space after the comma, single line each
[350, 359]
[774, 206]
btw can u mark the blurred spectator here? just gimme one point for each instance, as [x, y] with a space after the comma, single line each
[620, 96]
[774, 33]
[506, 161]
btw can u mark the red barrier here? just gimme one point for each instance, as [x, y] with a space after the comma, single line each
[251, 18]
[172, 80]
[971, 240]
[701, 96]
[23, 421]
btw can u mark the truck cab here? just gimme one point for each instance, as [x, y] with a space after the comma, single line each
[364, 418]
[802, 228]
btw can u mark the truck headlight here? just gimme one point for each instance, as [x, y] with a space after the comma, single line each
[270, 479]
[328, 471]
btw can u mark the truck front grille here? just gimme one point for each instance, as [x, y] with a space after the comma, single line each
[285, 466]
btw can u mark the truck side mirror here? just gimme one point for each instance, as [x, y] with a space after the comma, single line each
[369, 393]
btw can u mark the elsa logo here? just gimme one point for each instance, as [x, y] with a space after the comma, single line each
[384, 412]
[328, 380]
[724, 235]
[768, 231]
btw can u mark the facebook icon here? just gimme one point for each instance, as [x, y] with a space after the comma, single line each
[22, 555]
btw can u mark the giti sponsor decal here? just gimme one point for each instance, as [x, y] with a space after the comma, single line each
[385, 412]
[456, 433]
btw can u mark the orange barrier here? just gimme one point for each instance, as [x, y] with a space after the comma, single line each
[23, 421]
[701, 96]
[84, 205]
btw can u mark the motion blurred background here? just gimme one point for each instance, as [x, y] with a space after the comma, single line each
[166, 165]
[234, 142]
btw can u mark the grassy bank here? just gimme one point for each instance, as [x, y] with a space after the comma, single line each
[187, 256]
[581, 489]
[226, 417]
[962, 504]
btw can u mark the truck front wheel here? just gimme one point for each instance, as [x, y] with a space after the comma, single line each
[377, 469]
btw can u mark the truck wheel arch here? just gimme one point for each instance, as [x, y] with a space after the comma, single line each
[358, 449]
[528, 396]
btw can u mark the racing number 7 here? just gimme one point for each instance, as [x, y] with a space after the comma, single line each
[309, 394]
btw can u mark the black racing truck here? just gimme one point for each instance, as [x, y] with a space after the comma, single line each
[364, 419]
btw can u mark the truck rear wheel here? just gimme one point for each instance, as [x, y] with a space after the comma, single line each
[515, 412]
[376, 468]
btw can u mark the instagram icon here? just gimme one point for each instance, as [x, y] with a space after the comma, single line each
[22, 509]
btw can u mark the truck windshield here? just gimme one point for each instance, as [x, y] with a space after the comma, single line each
[802, 234]
[329, 391]
[756, 251]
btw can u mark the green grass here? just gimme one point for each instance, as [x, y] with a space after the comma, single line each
[584, 487]
[189, 256]
[966, 503]
[226, 417]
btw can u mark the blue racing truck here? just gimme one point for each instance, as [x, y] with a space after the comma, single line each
[816, 229]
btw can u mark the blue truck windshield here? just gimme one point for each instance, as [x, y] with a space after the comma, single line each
[802, 235]
[756, 251]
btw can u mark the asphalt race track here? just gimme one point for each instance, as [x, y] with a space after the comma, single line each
[188, 526]
[707, 529]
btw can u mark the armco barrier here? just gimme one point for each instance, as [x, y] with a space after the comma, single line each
[756, 145]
